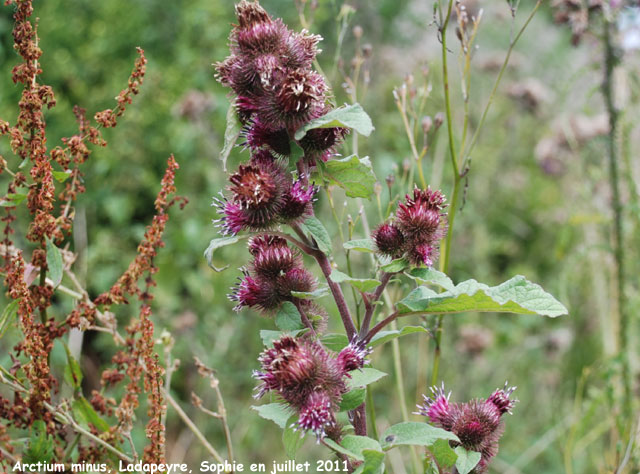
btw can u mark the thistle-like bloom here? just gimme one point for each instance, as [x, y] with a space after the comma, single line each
[354, 356]
[298, 201]
[257, 195]
[276, 271]
[477, 423]
[310, 379]
[321, 143]
[389, 240]
[419, 225]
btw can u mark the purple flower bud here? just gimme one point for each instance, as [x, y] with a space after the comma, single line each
[422, 254]
[295, 279]
[354, 356]
[321, 143]
[421, 213]
[250, 14]
[272, 256]
[299, 98]
[477, 423]
[316, 415]
[389, 240]
[437, 408]
[258, 135]
[254, 293]
[298, 201]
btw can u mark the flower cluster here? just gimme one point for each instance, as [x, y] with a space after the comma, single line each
[419, 225]
[263, 194]
[278, 91]
[309, 379]
[275, 272]
[477, 423]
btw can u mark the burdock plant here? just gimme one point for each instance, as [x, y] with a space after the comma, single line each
[282, 115]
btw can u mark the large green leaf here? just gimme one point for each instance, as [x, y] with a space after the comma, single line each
[54, 262]
[231, 134]
[395, 266]
[354, 175]
[373, 462]
[335, 342]
[385, 336]
[276, 412]
[467, 460]
[314, 227]
[517, 295]
[288, 317]
[356, 444]
[216, 244]
[362, 284]
[414, 433]
[349, 116]
[363, 377]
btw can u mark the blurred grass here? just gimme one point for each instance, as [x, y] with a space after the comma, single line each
[517, 218]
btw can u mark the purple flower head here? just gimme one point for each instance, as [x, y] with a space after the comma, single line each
[317, 415]
[421, 213]
[296, 368]
[250, 14]
[437, 408]
[253, 293]
[389, 240]
[321, 143]
[295, 279]
[258, 136]
[272, 256]
[301, 49]
[256, 198]
[476, 423]
[298, 201]
[354, 356]
[422, 253]
[419, 225]
[500, 399]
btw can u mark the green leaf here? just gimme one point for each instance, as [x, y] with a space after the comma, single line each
[443, 453]
[339, 449]
[61, 176]
[413, 433]
[268, 336]
[467, 460]
[363, 377]
[353, 399]
[40, 448]
[395, 266]
[311, 295]
[385, 336]
[276, 412]
[335, 342]
[362, 284]
[296, 151]
[231, 134]
[349, 116]
[216, 244]
[292, 439]
[72, 371]
[54, 262]
[360, 245]
[517, 295]
[288, 317]
[319, 233]
[373, 462]
[8, 316]
[354, 175]
[84, 414]
[13, 199]
[429, 276]
[356, 444]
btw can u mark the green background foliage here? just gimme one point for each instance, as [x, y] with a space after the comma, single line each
[518, 216]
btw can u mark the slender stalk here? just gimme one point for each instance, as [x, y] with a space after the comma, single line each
[616, 204]
[371, 413]
[191, 425]
[371, 306]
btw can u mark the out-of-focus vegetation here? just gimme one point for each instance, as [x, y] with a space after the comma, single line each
[536, 203]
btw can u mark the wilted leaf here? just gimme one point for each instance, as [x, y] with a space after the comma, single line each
[216, 244]
[231, 134]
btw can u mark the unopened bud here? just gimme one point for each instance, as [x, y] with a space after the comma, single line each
[406, 165]
[391, 178]
[357, 31]
[427, 123]
[438, 120]
[377, 188]
[367, 50]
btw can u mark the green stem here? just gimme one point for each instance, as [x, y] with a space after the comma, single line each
[614, 180]
[371, 413]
